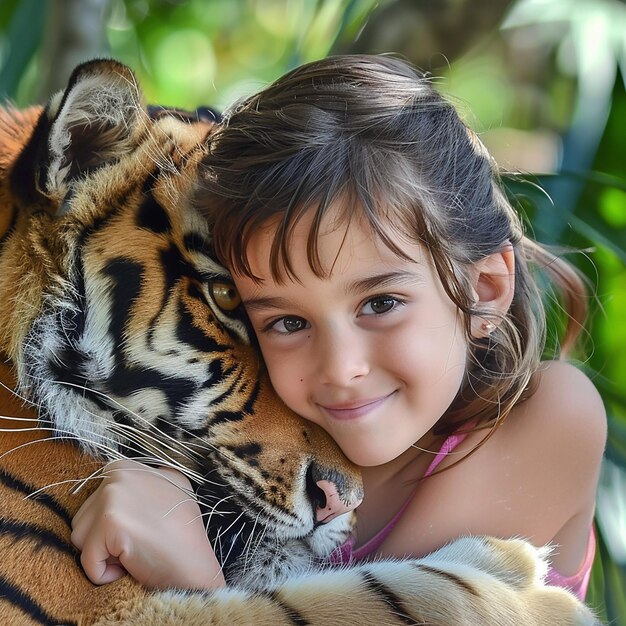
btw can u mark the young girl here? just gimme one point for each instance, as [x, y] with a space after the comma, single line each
[394, 299]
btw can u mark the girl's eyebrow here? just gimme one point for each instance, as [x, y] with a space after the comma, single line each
[383, 281]
[270, 302]
[355, 287]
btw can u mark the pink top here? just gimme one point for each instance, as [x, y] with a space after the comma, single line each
[348, 554]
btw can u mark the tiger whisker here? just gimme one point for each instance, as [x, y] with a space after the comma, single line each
[191, 475]
[209, 514]
[22, 445]
[154, 455]
[83, 481]
[18, 395]
[140, 436]
[11, 418]
[152, 444]
[216, 544]
[222, 532]
[205, 499]
[144, 468]
[225, 530]
[178, 448]
[212, 496]
[213, 511]
[128, 411]
[237, 534]
[182, 449]
[111, 452]
[66, 435]
[62, 482]
[247, 551]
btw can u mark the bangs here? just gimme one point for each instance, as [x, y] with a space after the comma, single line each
[374, 188]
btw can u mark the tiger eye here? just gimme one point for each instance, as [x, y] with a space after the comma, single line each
[225, 296]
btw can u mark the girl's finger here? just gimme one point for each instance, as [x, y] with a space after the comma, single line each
[99, 564]
[83, 513]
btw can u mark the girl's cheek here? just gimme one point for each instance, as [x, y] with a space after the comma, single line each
[289, 381]
[281, 376]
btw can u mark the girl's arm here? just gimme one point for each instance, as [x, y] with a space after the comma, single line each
[144, 521]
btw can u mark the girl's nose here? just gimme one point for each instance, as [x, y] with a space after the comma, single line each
[342, 357]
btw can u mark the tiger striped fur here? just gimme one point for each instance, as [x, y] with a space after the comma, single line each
[120, 333]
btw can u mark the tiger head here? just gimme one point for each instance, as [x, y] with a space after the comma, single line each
[125, 331]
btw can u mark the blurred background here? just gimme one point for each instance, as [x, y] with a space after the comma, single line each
[542, 81]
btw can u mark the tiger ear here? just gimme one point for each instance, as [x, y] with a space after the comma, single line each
[93, 122]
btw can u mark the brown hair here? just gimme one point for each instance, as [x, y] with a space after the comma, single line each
[373, 131]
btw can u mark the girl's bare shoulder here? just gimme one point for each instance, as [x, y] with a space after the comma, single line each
[561, 425]
[565, 417]
[546, 456]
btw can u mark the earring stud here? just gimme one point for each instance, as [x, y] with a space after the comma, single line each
[488, 327]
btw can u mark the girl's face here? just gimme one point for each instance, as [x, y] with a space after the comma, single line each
[374, 353]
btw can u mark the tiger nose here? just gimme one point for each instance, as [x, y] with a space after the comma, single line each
[330, 505]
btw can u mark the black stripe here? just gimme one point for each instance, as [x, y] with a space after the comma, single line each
[187, 332]
[175, 265]
[17, 597]
[24, 176]
[150, 214]
[389, 597]
[45, 538]
[128, 277]
[195, 242]
[44, 499]
[453, 578]
[254, 394]
[290, 613]
[221, 416]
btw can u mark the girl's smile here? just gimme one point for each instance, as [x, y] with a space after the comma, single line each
[354, 410]
[373, 351]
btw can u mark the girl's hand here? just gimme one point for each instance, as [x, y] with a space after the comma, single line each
[142, 520]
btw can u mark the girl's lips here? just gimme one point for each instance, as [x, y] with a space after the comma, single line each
[356, 410]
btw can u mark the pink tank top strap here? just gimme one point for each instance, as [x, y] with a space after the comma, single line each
[371, 546]
[446, 448]
[578, 582]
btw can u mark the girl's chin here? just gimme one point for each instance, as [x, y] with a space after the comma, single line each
[370, 458]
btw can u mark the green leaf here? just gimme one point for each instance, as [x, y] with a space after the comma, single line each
[23, 38]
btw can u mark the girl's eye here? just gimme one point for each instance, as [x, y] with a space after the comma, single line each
[380, 304]
[287, 325]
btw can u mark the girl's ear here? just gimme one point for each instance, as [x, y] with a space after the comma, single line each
[494, 286]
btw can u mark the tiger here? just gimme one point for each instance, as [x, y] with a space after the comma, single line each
[122, 336]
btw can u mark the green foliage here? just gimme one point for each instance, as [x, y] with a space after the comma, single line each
[214, 52]
[596, 222]
[21, 27]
